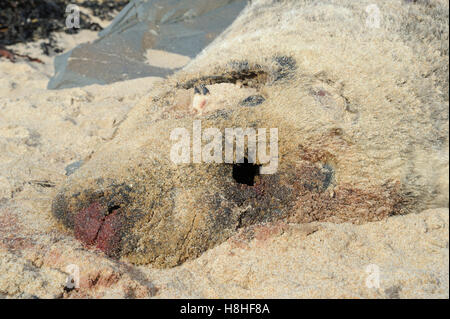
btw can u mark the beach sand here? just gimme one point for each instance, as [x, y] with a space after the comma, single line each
[46, 135]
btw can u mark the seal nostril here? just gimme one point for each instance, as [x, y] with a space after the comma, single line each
[244, 173]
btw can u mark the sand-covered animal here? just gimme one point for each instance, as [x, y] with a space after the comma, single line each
[361, 107]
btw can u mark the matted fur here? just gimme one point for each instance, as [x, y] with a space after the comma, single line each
[362, 115]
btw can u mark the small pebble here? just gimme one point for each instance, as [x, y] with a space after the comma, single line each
[71, 168]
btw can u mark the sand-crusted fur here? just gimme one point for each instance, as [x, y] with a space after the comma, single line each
[362, 115]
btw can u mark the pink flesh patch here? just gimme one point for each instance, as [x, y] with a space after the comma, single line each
[88, 222]
[92, 227]
[108, 238]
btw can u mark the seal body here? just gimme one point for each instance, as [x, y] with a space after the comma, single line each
[353, 147]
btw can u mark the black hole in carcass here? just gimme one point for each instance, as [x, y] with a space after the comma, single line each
[112, 208]
[244, 173]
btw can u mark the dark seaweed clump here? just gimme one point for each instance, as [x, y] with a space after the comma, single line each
[30, 20]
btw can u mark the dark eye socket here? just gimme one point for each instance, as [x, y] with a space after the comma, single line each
[201, 89]
[204, 90]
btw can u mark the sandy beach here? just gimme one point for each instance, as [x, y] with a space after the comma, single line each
[50, 140]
